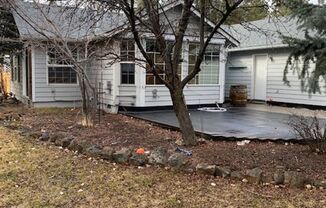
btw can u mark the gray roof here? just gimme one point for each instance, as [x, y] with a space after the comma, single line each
[264, 33]
[68, 22]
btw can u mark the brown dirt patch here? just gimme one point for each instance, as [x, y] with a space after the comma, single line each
[124, 131]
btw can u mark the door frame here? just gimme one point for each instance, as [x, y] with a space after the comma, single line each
[253, 74]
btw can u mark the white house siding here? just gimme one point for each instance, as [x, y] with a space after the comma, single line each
[239, 76]
[277, 91]
[101, 74]
[127, 95]
[46, 93]
[194, 95]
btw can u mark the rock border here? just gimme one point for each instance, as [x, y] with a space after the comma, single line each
[177, 161]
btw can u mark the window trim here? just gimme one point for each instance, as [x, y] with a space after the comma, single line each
[197, 75]
[162, 64]
[127, 62]
[58, 65]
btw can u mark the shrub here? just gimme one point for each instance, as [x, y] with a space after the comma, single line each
[311, 130]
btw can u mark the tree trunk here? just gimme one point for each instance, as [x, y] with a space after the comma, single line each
[87, 119]
[182, 113]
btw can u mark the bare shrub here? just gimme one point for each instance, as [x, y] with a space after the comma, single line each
[311, 130]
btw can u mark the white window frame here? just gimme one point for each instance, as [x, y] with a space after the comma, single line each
[127, 62]
[163, 64]
[197, 75]
[58, 65]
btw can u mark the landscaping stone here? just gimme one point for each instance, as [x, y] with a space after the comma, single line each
[267, 179]
[278, 177]
[254, 175]
[44, 137]
[107, 153]
[78, 145]
[297, 181]
[122, 156]
[294, 179]
[206, 169]
[137, 160]
[236, 175]
[94, 151]
[320, 183]
[56, 136]
[158, 157]
[34, 134]
[63, 142]
[223, 171]
[177, 160]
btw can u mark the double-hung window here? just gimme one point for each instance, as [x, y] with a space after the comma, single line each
[127, 63]
[16, 68]
[209, 73]
[60, 71]
[153, 51]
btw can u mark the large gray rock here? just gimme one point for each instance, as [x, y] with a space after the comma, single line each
[55, 136]
[45, 136]
[94, 151]
[78, 145]
[254, 175]
[278, 177]
[294, 179]
[177, 160]
[223, 171]
[107, 153]
[206, 169]
[63, 142]
[122, 156]
[137, 160]
[320, 183]
[236, 175]
[158, 157]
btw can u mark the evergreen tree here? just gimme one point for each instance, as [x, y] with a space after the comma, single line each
[9, 35]
[312, 49]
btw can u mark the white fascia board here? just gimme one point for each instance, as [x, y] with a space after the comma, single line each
[257, 48]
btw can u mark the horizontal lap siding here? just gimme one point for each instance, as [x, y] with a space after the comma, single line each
[127, 95]
[194, 95]
[101, 71]
[277, 90]
[238, 76]
[50, 93]
[280, 92]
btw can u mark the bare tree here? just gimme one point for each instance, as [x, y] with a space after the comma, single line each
[69, 34]
[150, 16]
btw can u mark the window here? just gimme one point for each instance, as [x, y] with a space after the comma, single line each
[209, 73]
[127, 64]
[59, 70]
[16, 67]
[127, 73]
[153, 52]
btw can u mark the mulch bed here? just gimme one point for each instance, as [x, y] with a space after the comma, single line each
[123, 131]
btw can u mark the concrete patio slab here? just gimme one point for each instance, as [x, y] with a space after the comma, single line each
[236, 123]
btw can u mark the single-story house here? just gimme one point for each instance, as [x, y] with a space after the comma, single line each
[41, 80]
[260, 59]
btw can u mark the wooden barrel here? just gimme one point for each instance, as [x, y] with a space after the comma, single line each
[238, 95]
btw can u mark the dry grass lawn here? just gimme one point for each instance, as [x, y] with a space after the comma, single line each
[40, 175]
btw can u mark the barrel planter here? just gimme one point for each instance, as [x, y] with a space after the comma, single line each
[238, 95]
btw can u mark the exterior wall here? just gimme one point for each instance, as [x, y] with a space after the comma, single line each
[17, 87]
[43, 91]
[240, 76]
[194, 95]
[101, 73]
[276, 89]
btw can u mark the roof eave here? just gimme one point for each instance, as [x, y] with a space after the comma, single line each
[257, 48]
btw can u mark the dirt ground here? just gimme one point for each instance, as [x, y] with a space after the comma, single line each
[122, 131]
[37, 174]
